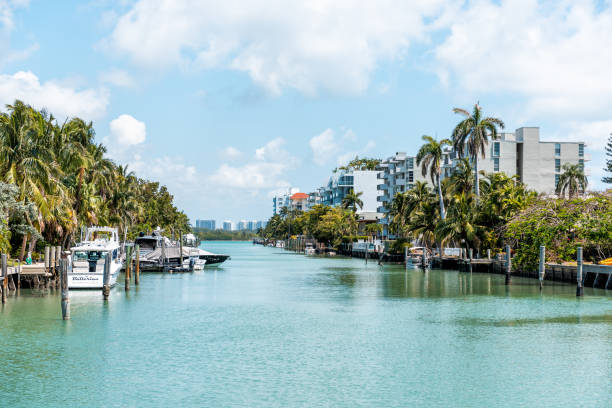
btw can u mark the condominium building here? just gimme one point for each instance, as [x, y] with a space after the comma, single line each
[537, 163]
[206, 224]
[360, 181]
[242, 225]
[397, 174]
[299, 201]
[283, 200]
[227, 225]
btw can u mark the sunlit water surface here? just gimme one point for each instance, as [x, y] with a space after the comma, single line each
[274, 329]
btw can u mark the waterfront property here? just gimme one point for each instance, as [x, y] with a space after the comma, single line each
[343, 182]
[537, 163]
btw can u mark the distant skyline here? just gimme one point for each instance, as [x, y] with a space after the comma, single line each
[227, 103]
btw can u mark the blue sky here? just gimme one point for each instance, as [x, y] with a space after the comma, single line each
[227, 103]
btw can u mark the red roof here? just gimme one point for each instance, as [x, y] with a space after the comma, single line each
[299, 196]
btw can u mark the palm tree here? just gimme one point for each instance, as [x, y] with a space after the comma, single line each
[462, 179]
[572, 179]
[351, 200]
[429, 158]
[475, 131]
[461, 224]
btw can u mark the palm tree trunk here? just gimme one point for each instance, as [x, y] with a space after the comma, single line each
[476, 186]
[24, 241]
[442, 212]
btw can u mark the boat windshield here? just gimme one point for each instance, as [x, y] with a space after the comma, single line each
[88, 255]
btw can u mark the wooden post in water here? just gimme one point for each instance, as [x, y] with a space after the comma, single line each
[4, 278]
[137, 265]
[423, 264]
[58, 256]
[542, 265]
[406, 256]
[47, 260]
[63, 275]
[163, 254]
[128, 264]
[181, 249]
[52, 260]
[579, 289]
[471, 253]
[508, 265]
[106, 278]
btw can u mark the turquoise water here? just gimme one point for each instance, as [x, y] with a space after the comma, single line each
[274, 329]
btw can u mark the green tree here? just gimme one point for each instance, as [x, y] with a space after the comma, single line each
[351, 200]
[608, 169]
[473, 133]
[429, 158]
[572, 180]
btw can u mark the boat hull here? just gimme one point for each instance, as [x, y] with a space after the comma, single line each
[92, 280]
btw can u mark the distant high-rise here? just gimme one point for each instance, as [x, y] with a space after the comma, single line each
[242, 225]
[227, 225]
[206, 224]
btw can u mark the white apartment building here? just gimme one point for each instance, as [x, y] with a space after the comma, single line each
[283, 200]
[227, 225]
[360, 181]
[537, 163]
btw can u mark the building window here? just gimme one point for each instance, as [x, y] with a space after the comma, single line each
[581, 164]
[580, 150]
[557, 149]
[556, 180]
[496, 164]
[410, 163]
[410, 176]
[557, 165]
[496, 149]
[410, 186]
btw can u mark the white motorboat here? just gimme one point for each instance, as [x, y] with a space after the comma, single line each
[86, 268]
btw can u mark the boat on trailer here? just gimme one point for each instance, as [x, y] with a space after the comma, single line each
[87, 259]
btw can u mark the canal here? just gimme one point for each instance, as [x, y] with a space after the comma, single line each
[271, 328]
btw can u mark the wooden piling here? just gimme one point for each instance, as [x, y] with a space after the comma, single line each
[579, 286]
[63, 275]
[106, 278]
[542, 265]
[406, 256]
[4, 278]
[137, 265]
[471, 253]
[47, 259]
[52, 261]
[508, 265]
[181, 249]
[128, 264]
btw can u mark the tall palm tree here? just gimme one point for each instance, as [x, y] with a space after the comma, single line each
[572, 180]
[474, 132]
[462, 177]
[351, 200]
[429, 158]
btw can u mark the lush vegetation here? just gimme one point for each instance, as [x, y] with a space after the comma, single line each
[357, 163]
[57, 180]
[326, 224]
[222, 235]
[562, 225]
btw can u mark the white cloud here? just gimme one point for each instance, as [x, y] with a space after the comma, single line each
[117, 77]
[231, 153]
[7, 25]
[595, 134]
[304, 45]
[128, 131]
[324, 147]
[61, 100]
[267, 169]
[170, 171]
[555, 54]
[327, 146]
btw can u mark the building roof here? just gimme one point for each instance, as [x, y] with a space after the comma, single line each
[299, 196]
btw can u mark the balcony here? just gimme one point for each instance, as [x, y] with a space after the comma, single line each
[382, 187]
[382, 209]
[382, 199]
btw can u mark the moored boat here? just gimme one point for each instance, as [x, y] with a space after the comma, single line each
[87, 259]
